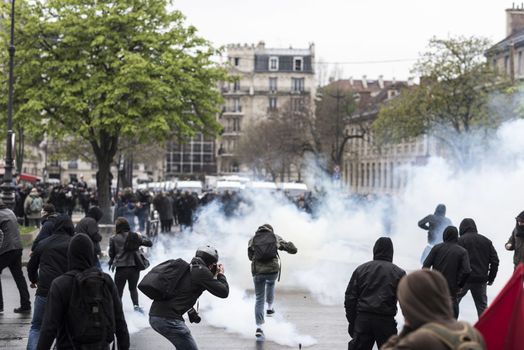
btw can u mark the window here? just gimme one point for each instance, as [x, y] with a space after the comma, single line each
[272, 84]
[237, 61]
[297, 84]
[272, 103]
[273, 63]
[297, 104]
[236, 124]
[72, 164]
[506, 64]
[298, 64]
[236, 85]
[236, 105]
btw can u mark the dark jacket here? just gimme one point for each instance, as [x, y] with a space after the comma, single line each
[451, 260]
[89, 226]
[164, 206]
[516, 242]
[271, 266]
[190, 287]
[372, 288]
[118, 255]
[48, 226]
[9, 225]
[483, 257]
[80, 257]
[423, 298]
[49, 259]
[435, 224]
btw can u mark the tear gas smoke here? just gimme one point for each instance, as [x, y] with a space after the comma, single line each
[342, 235]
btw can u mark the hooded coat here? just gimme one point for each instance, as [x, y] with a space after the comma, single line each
[49, 259]
[271, 266]
[89, 226]
[423, 298]
[483, 257]
[435, 224]
[451, 260]
[373, 285]
[80, 257]
[47, 229]
[516, 242]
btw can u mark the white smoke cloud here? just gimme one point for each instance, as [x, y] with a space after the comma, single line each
[342, 235]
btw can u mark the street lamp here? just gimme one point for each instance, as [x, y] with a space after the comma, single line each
[7, 187]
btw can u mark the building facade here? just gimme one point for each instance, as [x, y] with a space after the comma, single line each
[266, 79]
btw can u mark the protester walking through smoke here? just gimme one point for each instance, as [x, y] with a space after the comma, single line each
[516, 240]
[435, 225]
[89, 226]
[484, 263]
[124, 248]
[371, 298]
[452, 261]
[265, 267]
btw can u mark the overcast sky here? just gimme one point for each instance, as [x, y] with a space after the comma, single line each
[348, 31]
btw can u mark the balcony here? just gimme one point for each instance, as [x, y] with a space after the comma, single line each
[235, 110]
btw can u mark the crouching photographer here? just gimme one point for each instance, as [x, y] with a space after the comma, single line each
[188, 282]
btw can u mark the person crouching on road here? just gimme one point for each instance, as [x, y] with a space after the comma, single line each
[263, 252]
[123, 248]
[165, 316]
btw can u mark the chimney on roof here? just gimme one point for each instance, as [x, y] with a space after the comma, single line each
[514, 19]
[351, 81]
[331, 79]
[261, 45]
[381, 81]
[411, 81]
[365, 81]
[393, 80]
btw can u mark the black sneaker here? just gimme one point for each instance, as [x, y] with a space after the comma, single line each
[259, 334]
[22, 310]
[270, 312]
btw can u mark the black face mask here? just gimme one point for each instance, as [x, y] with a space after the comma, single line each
[519, 230]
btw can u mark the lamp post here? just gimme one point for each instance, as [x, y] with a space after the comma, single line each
[7, 187]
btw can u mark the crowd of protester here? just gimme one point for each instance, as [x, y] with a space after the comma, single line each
[77, 305]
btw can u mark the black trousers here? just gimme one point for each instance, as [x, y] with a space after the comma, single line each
[370, 328]
[478, 292]
[165, 225]
[13, 261]
[130, 275]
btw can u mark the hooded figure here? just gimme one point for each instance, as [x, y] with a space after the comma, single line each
[89, 226]
[47, 262]
[423, 300]
[483, 260]
[435, 224]
[371, 300]
[49, 216]
[80, 258]
[516, 240]
[452, 261]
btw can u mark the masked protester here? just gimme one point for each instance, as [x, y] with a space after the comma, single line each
[435, 225]
[371, 298]
[516, 240]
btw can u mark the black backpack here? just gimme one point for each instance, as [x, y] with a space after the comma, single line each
[160, 283]
[91, 314]
[265, 246]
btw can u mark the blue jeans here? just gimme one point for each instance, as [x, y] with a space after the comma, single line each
[175, 331]
[36, 322]
[264, 288]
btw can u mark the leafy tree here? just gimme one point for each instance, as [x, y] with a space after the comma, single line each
[111, 70]
[451, 102]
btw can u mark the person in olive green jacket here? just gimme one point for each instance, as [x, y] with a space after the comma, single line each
[263, 252]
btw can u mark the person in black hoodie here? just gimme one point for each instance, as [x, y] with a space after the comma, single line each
[516, 240]
[484, 263]
[452, 261]
[371, 298]
[165, 316]
[49, 216]
[435, 225]
[48, 261]
[124, 260]
[80, 256]
[89, 226]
